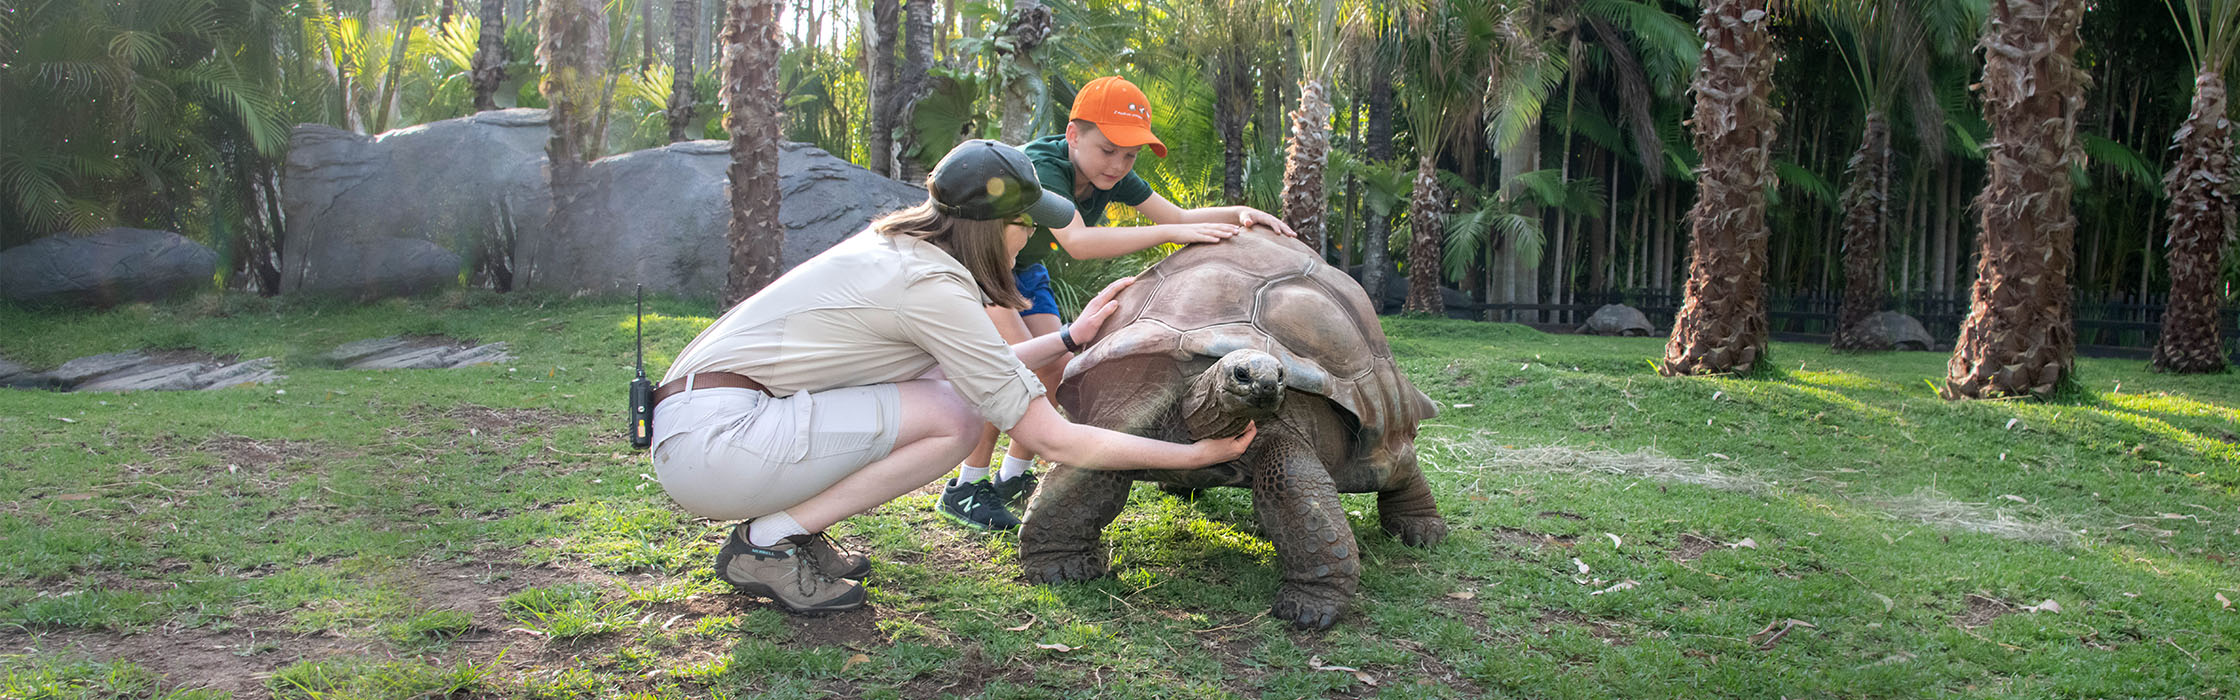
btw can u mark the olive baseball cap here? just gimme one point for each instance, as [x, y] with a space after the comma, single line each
[987, 180]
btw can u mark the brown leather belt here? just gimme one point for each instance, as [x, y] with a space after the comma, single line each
[710, 380]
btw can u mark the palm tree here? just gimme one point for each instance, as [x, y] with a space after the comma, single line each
[1321, 41]
[884, 23]
[684, 37]
[2018, 338]
[2200, 188]
[572, 46]
[1887, 45]
[489, 55]
[1444, 59]
[1027, 26]
[911, 158]
[750, 90]
[1721, 326]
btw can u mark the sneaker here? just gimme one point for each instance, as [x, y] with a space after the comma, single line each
[783, 573]
[1016, 490]
[823, 553]
[977, 506]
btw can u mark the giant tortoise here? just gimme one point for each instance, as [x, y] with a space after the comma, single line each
[1257, 328]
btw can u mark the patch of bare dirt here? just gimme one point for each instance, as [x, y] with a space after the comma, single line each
[1532, 541]
[1981, 611]
[1604, 630]
[1691, 547]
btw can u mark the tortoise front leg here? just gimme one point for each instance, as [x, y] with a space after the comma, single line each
[1409, 513]
[1061, 539]
[1300, 512]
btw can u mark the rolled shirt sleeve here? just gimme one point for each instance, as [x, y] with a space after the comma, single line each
[942, 314]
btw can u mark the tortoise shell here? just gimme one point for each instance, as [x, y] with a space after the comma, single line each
[1268, 292]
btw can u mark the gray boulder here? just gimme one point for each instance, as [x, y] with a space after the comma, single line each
[1890, 330]
[476, 187]
[425, 352]
[106, 268]
[1618, 319]
[461, 186]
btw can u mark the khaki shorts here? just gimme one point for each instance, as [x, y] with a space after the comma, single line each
[731, 454]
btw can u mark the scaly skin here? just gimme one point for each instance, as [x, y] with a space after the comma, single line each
[1300, 512]
[1061, 539]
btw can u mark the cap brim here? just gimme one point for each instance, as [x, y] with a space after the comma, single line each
[1052, 210]
[1128, 135]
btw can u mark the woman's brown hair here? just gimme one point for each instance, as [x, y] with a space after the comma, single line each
[977, 244]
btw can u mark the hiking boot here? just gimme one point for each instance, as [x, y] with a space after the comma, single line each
[823, 553]
[1016, 490]
[782, 572]
[977, 506]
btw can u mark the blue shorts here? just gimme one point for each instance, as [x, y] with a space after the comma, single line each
[1034, 284]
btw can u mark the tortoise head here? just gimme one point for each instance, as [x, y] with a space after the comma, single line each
[1243, 386]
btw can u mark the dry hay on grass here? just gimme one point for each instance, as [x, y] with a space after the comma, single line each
[1928, 505]
[1480, 451]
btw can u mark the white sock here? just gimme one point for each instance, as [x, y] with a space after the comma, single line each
[768, 529]
[1013, 467]
[967, 473]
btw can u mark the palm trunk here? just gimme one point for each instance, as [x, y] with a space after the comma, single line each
[572, 45]
[1030, 25]
[681, 93]
[1866, 211]
[1303, 195]
[1426, 245]
[2201, 212]
[1232, 110]
[386, 102]
[2018, 338]
[917, 54]
[1721, 326]
[879, 84]
[750, 90]
[1376, 236]
[489, 55]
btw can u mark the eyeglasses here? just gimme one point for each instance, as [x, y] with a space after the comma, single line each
[1021, 222]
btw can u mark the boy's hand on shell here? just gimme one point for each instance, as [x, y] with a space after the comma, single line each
[1251, 217]
[1204, 233]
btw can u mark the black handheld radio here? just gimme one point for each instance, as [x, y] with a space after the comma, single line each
[641, 391]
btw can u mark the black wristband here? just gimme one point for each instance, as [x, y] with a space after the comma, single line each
[1065, 335]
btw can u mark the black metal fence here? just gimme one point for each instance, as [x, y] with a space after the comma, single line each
[2107, 324]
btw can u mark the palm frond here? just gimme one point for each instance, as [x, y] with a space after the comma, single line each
[2128, 163]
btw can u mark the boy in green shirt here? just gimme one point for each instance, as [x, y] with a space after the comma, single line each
[1093, 164]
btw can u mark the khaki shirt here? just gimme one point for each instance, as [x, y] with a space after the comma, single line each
[875, 309]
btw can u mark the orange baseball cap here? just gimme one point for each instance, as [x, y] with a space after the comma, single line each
[1119, 110]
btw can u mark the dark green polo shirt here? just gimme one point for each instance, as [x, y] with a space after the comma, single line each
[1055, 169]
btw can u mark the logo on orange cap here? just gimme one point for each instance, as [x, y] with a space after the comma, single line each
[1120, 111]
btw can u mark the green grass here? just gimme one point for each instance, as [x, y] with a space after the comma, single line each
[487, 532]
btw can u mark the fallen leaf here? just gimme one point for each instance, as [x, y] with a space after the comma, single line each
[1887, 603]
[2047, 606]
[1316, 663]
[73, 497]
[1614, 541]
[65, 420]
[2227, 602]
[1627, 584]
[1472, 595]
[1024, 625]
[853, 660]
[1718, 455]
[1056, 647]
[2175, 516]
[1746, 543]
[2011, 422]
[1582, 565]
[2015, 498]
[1774, 631]
[1464, 405]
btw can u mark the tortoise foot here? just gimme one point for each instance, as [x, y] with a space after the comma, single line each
[1060, 568]
[1416, 531]
[1311, 608]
